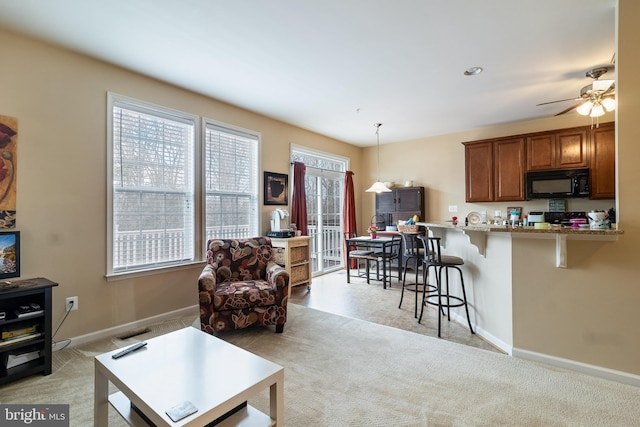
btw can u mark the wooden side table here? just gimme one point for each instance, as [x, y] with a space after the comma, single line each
[294, 254]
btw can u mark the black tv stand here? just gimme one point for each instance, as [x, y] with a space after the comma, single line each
[29, 351]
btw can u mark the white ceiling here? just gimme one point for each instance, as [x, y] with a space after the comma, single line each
[337, 67]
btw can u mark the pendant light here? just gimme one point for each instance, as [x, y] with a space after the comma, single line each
[378, 186]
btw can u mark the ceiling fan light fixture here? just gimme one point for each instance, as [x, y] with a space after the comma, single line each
[597, 111]
[585, 108]
[609, 104]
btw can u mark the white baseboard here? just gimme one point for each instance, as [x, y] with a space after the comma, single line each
[508, 349]
[572, 365]
[498, 343]
[127, 327]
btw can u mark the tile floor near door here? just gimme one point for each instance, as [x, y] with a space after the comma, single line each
[359, 300]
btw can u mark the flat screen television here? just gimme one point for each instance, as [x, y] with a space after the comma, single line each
[9, 254]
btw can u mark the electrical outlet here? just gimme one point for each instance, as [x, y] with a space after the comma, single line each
[72, 303]
[453, 208]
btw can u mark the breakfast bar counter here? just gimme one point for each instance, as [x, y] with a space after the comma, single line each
[506, 268]
[528, 229]
[478, 235]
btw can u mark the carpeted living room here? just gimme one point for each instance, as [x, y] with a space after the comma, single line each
[370, 364]
[133, 134]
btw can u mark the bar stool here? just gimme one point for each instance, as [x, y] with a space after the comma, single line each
[412, 253]
[433, 258]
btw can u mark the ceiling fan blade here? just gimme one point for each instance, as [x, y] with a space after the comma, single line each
[560, 100]
[611, 90]
[566, 110]
[602, 84]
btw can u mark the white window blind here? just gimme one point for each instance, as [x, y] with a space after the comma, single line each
[153, 187]
[231, 182]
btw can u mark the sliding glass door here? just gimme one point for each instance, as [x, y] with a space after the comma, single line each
[324, 187]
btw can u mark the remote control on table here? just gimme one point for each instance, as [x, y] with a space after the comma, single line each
[129, 350]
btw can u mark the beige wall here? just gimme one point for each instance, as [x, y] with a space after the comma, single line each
[59, 99]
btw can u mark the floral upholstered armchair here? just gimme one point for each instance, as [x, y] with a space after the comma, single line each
[241, 285]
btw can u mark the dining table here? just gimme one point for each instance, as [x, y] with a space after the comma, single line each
[384, 247]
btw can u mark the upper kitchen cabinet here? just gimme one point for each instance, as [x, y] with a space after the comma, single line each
[563, 149]
[478, 157]
[603, 161]
[494, 170]
[508, 156]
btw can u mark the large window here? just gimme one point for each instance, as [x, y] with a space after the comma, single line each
[158, 160]
[231, 182]
[152, 194]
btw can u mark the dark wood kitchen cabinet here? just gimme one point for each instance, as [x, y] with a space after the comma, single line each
[562, 149]
[509, 169]
[400, 204]
[479, 171]
[603, 161]
[494, 170]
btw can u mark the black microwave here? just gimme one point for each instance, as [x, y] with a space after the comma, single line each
[558, 184]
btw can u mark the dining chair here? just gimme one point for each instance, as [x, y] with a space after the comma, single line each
[385, 258]
[358, 254]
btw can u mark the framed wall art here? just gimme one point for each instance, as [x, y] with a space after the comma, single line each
[9, 254]
[8, 160]
[276, 189]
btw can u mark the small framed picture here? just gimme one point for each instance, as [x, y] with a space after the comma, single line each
[9, 254]
[276, 189]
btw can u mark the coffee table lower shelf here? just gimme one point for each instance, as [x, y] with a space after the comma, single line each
[246, 417]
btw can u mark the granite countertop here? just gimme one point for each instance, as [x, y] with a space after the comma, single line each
[528, 229]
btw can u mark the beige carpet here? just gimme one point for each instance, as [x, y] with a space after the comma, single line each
[346, 372]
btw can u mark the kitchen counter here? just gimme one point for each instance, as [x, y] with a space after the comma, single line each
[478, 235]
[528, 229]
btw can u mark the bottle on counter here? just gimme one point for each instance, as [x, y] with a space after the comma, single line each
[525, 221]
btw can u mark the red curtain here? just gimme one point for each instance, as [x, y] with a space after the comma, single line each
[349, 213]
[299, 199]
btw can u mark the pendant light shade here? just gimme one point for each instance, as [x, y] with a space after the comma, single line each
[378, 186]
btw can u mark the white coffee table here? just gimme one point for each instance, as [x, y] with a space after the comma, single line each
[192, 365]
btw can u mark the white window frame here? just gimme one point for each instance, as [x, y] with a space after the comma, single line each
[317, 244]
[254, 222]
[115, 100]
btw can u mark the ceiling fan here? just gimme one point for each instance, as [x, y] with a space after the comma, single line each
[595, 98]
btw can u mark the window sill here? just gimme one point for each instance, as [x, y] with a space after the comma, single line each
[125, 275]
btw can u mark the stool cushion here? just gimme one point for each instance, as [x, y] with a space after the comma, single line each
[360, 253]
[451, 260]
